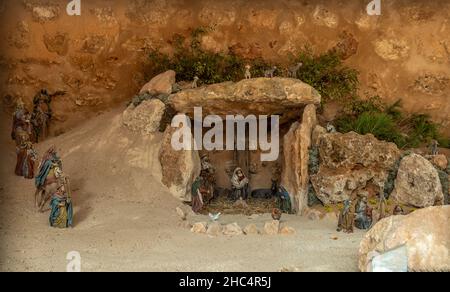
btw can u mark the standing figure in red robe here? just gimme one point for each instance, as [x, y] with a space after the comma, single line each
[26, 158]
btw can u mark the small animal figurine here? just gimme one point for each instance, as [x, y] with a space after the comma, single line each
[434, 147]
[331, 128]
[398, 211]
[269, 72]
[195, 82]
[248, 74]
[292, 73]
[276, 214]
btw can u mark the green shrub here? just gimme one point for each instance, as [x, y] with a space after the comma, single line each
[190, 60]
[324, 72]
[327, 74]
[389, 123]
[380, 124]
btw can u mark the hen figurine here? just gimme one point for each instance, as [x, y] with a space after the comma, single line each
[276, 214]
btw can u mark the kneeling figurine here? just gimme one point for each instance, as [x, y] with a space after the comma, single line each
[239, 184]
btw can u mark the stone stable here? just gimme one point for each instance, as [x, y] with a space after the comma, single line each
[257, 96]
[294, 101]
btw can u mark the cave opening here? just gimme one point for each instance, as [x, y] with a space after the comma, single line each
[263, 176]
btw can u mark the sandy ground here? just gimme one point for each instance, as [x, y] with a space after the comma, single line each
[125, 220]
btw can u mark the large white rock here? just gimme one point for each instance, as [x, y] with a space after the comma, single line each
[214, 229]
[417, 183]
[179, 168]
[251, 229]
[199, 227]
[425, 233]
[145, 118]
[161, 83]
[287, 230]
[232, 230]
[272, 227]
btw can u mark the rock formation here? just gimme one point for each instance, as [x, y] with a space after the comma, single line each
[287, 230]
[145, 118]
[425, 233]
[349, 162]
[162, 83]
[296, 145]
[417, 183]
[258, 96]
[179, 168]
[199, 227]
[214, 229]
[440, 161]
[232, 230]
[251, 229]
[272, 227]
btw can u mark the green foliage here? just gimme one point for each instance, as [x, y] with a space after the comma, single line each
[419, 128]
[327, 74]
[357, 106]
[387, 122]
[379, 124]
[324, 72]
[157, 63]
[190, 60]
[394, 110]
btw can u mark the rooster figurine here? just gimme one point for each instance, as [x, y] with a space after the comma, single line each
[276, 214]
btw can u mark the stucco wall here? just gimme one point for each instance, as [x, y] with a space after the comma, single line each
[97, 57]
